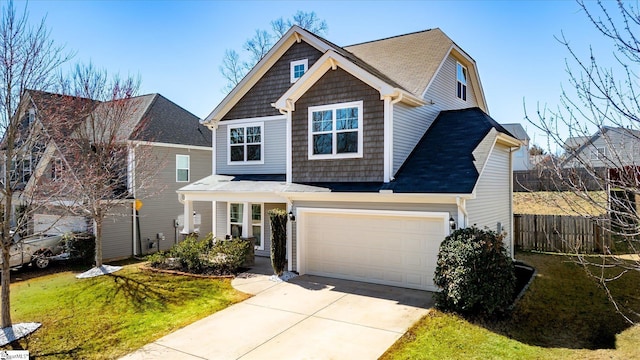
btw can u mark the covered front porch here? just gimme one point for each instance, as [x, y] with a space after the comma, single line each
[240, 207]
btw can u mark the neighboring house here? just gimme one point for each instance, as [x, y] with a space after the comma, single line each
[521, 159]
[180, 143]
[375, 150]
[609, 147]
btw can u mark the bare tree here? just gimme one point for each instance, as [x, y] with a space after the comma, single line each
[28, 60]
[105, 168]
[600, 116]
[233, 69]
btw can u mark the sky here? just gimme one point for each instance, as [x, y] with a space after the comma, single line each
[176, 47]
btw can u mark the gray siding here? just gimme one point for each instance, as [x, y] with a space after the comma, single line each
[452, 209]
[410, 123]
[275, 151]
[257, 101]
[621, 148]
[338, 86]
[117, 230]
[221, 220]
[492, 204]
[161, 205]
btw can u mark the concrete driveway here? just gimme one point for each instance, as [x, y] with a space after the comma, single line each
[308, 317]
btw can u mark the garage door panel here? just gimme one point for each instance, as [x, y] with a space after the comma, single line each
[393, 250]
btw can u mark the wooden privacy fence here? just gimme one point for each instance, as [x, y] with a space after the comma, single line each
[555, 233]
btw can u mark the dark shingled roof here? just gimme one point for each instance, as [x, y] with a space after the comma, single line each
[442, 162]
[171, 124]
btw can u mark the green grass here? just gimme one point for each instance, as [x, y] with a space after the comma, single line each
[564, 314]
[108, 316]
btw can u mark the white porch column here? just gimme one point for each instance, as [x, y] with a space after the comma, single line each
[246, 216]
[188, 217]
[214, 218]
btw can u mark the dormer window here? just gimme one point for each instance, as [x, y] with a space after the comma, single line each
[32, 115]
[298, 68]
[461, 77]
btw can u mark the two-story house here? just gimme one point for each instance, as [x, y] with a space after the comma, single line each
[177, 141]
[376, 150]
[609, 147]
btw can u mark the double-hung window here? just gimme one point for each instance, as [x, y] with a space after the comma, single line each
[246, 144]
[335, 131]
[298, 69]
[57, 169]
[461, 77]
[236, 215]
[182, 168]
[237, 222]
[598, 153]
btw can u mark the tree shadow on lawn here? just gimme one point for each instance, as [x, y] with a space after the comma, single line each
[564, 308]
[150, 291]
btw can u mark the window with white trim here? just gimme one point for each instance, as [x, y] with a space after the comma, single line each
[335, 131]
[32, 115]
[235, 219]
[245, 144]
[237, 223]
[598, 153]
[182, 168]
[256, 225]
[298, 68]
[461, 81]
[57, 169]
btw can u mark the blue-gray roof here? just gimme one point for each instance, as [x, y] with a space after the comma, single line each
[442, 162]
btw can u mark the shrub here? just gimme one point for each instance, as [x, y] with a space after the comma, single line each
[231, 254]
[208, 255]
[278, 218]
[81, 247]
[475, 273]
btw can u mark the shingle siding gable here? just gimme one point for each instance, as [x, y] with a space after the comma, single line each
[338, 86]
[257, 101]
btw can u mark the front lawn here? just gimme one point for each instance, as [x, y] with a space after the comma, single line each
[108, 316]
[562, 315]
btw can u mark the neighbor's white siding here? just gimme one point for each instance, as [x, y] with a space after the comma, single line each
[275, 156]
[492, 204]
[410, 123]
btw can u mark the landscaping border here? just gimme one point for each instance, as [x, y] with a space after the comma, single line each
[176, 272]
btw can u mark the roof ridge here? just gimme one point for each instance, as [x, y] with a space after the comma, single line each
[393, 37]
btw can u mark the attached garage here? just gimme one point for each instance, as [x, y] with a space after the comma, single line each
[398, 248]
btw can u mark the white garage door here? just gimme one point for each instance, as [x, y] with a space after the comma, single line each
[384, 247]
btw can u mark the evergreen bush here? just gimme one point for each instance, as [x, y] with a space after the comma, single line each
[278, 218]
[475, 273]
